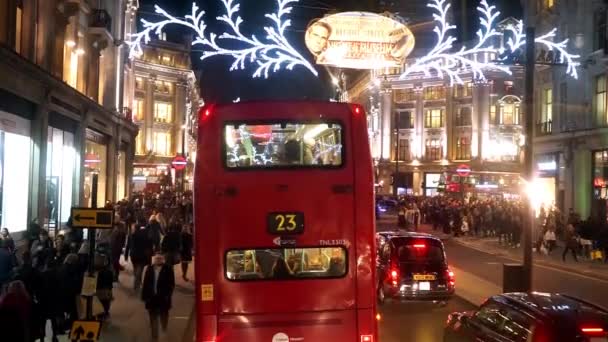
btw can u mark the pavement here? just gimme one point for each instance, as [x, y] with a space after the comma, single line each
[129, 319]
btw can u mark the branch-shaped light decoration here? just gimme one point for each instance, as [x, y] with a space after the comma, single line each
[441, 61]
[269, 55]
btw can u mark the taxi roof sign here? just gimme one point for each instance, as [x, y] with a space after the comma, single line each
[85, 331]
[92, 218]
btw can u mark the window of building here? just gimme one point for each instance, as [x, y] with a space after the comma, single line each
[166, 59]
[138, 109]
[139, 83]
[563, 91]
[463, 148]
[463, 117]
[434, 93]
[599, 33]
[18, 22]
[600, 99]
[405, 95]
[140, 147]
[549, 4]
[433, 118]
[404, 120]
[547, 110]
[168, 87]
[96, 162]
[405, 153]
[163, 112]
[493, 115]
[434, 149]
[162, 143]
[464, 90]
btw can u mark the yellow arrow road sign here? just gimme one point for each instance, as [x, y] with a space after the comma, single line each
[92, 218]
[85, 331]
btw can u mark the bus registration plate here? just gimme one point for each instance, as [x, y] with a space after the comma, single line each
[288, 223]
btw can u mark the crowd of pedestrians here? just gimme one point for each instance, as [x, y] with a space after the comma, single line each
[41, 281]
[504, 220]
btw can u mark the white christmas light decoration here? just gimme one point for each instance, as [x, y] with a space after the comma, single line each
[270, 55]
[441, 61]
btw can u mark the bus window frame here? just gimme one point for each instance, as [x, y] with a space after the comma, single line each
[224, 150]
[343, 247]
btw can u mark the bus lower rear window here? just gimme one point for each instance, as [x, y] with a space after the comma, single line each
[286, 263]
[293, 144]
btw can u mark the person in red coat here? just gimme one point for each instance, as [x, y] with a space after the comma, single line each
[157, 290]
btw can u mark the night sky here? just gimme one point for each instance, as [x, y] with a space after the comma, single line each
[220, 85]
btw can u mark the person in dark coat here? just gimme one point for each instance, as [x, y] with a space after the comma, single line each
[171, 245]
[42, 249]
[71, 275]
[5, 236]
[154, 232]
[7, 263]
[16, 313]
[105, 282]
[50, 306]
[186, 250]
[159, 282]
[117, 242]
[140, 248]
[571, 243]
[27, 273]
[32, 233]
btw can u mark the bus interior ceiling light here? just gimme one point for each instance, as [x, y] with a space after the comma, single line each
[442, 60]
[267, 55]
[316, 130]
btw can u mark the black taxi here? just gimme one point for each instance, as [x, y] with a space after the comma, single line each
[412, 266]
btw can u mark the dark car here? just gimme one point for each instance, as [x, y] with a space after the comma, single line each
[534, 317]
[412, 266]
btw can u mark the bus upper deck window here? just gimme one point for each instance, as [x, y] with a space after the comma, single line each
[283, 144]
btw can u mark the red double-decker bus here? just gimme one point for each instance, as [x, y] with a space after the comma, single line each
[284, 220]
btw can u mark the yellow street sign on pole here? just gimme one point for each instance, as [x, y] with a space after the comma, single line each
[92, 218]
[85, 331]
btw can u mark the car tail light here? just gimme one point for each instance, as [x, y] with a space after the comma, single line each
[378, 317]
[419, 246]
[451, 277]
[593, 331]
[394, 276]
[367, 338]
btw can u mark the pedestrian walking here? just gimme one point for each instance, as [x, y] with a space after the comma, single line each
[5, 237]
[157, 291]
[186, 250]
[140, 249]
[171, 244]
[117, 242]
[105, 281]
[571, 243]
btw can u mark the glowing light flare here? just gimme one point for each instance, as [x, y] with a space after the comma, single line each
[268, 56]
[441, 61]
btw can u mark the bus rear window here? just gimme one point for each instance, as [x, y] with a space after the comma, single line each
[286, 263]
[272, 145]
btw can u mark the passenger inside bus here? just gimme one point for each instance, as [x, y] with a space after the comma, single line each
[280, 270]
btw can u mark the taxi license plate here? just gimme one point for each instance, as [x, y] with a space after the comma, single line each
[424, 286]
[424, 277]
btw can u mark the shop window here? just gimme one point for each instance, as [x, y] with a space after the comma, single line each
[404, 120]
[96, 161]
[121, 176]
[163, 112]
[60, 166]
[434, 149]
[138, 109]
[433, 118]
[599, 102]
[162, 143]
[15, 145]
[463, 117]
[463, 148]
[405, 95]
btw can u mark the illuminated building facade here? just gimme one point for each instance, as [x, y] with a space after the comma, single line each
[62, 118]
[165, 97]
[571, 116]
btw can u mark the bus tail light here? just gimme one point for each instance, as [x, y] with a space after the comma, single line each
[356, 109]
[593, 331]
[394, 276]
[367, 338]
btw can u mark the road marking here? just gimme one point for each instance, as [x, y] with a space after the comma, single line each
[535, 264]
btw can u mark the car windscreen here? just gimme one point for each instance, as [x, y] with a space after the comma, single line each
[286, 263]
[418, 250]
[283, 144]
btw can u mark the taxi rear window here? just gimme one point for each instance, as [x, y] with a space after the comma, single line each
[417, 250]
[286, 263]
[283, 144]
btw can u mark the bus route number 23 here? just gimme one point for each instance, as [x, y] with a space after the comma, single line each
[285, 223]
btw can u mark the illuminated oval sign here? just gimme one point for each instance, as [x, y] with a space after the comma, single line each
[359, 40]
